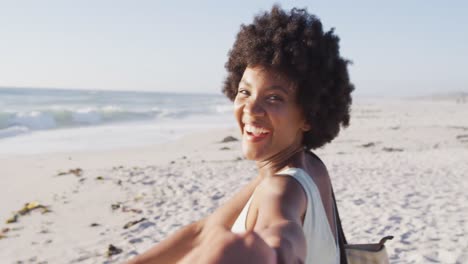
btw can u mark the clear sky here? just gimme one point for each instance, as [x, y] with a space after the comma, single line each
[398, 47]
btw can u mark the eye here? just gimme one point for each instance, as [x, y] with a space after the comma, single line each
[274, 98]
[243, 92]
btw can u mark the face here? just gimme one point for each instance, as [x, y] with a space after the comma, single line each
[268, 115]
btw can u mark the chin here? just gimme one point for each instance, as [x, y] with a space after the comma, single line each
[252, 154]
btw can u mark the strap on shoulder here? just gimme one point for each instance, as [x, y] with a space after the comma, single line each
[341, 236]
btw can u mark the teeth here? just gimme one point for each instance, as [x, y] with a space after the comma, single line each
[255, 130]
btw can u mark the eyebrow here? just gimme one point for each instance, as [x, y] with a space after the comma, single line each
[273, 87]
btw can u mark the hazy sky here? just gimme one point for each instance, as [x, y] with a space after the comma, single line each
[398, 47]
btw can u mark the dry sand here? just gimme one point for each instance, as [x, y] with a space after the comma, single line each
[399, 169]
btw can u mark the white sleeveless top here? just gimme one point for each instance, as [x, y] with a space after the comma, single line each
[321, 245]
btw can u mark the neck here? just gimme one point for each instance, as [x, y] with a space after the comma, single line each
[291, 156]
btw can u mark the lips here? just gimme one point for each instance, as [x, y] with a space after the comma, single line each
[255, 133]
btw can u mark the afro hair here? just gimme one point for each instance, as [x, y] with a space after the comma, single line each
[295, 44]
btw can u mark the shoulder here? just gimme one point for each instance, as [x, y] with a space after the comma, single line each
[281, 196]
[317, 165]
[279, 184]
[319, 173]
[281, 204]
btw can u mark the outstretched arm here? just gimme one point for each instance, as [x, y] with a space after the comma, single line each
[277, 237]
[221, 246]
[187, 239]
[174, 247]
[282, 203]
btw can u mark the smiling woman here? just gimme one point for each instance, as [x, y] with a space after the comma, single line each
[268, 115]
[291, 93]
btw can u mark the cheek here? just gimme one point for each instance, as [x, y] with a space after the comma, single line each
[238, 112]
[288, 127]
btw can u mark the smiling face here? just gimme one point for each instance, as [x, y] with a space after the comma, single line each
[268, 115]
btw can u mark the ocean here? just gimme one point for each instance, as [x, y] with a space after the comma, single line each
[36, 120]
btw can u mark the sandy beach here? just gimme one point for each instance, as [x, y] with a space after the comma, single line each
[400, 169]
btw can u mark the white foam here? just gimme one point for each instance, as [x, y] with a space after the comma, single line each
[111, 108]
[87, 116]
[33, 120]
[62, 117]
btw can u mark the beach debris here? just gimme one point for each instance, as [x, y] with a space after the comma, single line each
[119, 182]
[3, 232]
[135, 240]
[44, 231]
[229, 139]
[99, 178]
[113, 250]
[28, 207]
[12, 219]
[367, 145]
[77, 172]
[217, 195]
[133, 210]
[172, 162]
[392, 149]
[94, 225]
[462, 138]
[132, 223]
[225, 148]
[115, 206]
[139, 197]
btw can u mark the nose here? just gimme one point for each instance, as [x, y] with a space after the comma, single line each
[254, 108]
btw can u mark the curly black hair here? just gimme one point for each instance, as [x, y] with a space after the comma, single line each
[295, 44]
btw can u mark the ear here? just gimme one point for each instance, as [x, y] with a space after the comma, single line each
[306, 127]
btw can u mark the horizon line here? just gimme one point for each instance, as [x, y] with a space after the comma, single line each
[105, 90]
[356, 95]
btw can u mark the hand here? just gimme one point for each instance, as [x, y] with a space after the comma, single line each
[220, 246]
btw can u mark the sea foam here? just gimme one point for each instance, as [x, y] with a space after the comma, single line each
[29, 110]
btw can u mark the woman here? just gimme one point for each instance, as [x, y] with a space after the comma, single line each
[291, 93]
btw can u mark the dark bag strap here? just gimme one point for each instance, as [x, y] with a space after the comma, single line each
[341, 236]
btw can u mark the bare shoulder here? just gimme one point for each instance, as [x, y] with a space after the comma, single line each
[280, 185]
[281, 197]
